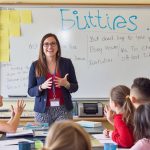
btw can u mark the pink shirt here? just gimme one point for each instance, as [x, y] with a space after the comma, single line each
[143, 144]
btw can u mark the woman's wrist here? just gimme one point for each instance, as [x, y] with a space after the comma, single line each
[40, 88]
[67, 85]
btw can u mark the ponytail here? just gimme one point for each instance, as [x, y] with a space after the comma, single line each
[128, 112]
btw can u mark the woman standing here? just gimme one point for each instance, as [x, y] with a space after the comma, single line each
[51, 80]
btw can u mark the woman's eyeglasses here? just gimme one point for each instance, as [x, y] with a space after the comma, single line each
[53, 44]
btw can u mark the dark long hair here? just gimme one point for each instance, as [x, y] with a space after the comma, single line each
[142, 122]
[119, 95]
[41, 66]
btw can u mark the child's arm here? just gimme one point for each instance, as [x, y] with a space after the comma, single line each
[12, 124]
[122, 134]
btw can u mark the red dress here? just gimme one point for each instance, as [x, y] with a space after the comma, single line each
[122, 134]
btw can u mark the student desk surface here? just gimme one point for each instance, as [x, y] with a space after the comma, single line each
[104, 121]
[95, 146]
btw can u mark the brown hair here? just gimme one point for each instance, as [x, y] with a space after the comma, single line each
[142, 122]
[41, 66]
[119, 95]
[67, 135]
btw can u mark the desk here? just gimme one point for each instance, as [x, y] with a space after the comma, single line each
[102, 139]
[95, 145]
[104, 121]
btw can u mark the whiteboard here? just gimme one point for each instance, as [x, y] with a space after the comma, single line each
[107, 45]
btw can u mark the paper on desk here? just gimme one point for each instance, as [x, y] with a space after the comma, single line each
[95, 142]
[13, 142]
[89, 124]
[102, 138]
[12, 147]
[20, 132]
[40, 133]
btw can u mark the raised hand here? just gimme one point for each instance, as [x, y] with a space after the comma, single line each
[12, 111]
[109, 113]
[19, 107]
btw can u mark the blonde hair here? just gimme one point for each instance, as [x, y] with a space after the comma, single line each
[67, 135]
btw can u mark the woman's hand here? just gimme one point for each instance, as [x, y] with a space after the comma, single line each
[47, 84]
[61, 81]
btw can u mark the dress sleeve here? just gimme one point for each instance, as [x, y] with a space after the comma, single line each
[72, 78]
[33, 87]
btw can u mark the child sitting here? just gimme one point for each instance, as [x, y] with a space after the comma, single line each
[142, 127]
[140, 91]
[123, 117]
[67, 135]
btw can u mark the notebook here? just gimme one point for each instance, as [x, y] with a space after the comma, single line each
[95, 130]
[90, 124]
[20, 132]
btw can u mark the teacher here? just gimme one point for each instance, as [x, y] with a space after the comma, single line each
[51, 80]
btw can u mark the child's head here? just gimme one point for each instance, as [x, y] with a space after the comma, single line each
[120, 103]
[140, 91]
[67, 135]
[142, 122]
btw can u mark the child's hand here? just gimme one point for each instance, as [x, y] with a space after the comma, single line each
[109, 113]
[12, 111]
[106, 133]
[19, 107]
[110, 133]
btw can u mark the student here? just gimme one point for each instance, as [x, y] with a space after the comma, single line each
[52, 79]
[142, 127]
[140, 91]
[123, 117]
[12, 124]
[67, 135]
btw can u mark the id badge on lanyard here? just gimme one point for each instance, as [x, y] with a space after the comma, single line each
[55, 101]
